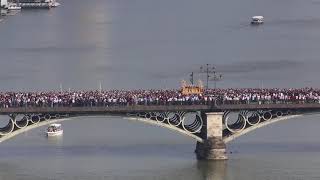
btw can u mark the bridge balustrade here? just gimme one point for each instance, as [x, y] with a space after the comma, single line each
[92, 103]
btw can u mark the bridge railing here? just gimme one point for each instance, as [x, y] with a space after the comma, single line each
[216, 101]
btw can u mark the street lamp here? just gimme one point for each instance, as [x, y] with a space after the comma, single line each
[216, 77]
[211, 74]
[191, 78]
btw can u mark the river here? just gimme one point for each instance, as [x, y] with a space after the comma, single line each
[131, 44]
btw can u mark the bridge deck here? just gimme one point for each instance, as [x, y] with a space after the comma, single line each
[155, 108]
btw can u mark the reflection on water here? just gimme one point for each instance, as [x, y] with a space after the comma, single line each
[55, 140]
[211, 170]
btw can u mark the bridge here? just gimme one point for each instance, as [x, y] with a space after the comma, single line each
[212, 125]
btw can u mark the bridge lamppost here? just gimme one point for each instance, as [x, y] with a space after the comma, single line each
[191, 78]
[211, 74]
[216, 77]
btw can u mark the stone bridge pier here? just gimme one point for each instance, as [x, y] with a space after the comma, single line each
[213, 146]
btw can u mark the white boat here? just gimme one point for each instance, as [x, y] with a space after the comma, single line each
[13, 7]
[54, 130]
[55, 4]
[52, 3]
[257, 20]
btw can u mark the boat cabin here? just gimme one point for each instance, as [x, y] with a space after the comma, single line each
[54, 128]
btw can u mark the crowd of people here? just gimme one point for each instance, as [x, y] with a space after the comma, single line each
[157, 97]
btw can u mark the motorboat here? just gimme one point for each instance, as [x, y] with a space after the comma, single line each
[13, 7]
[257, 20]
[54, 130]
[52, 3]
[55, 4]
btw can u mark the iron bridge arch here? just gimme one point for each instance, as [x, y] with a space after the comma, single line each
[190, 124]
[175, 121]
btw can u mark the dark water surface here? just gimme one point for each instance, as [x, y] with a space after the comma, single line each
[155, 44]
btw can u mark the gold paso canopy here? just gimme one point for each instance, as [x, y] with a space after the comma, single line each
[187, 89]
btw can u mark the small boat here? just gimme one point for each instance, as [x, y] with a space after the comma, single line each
[13, 7]
[55, 4]
[257, 20]
[54, 130]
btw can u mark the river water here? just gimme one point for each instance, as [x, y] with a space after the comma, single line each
[134, 44]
